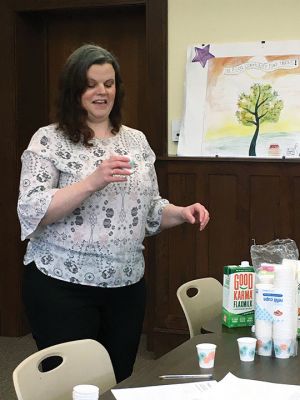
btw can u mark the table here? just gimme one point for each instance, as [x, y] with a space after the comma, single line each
[215, 326]
[183, 359]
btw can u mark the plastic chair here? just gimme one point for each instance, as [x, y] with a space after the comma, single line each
[83, 362]
[204, 305]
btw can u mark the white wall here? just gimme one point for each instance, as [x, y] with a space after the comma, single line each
[218, 21]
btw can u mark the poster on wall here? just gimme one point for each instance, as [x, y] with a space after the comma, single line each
[242, 100]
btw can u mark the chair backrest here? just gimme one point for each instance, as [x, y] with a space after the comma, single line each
[83, 362]
[205, 304]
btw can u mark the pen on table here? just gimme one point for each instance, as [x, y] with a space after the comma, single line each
[195, 376]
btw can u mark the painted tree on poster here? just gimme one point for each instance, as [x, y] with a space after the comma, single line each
[260, 105]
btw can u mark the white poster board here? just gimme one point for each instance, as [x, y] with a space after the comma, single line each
[242, 100]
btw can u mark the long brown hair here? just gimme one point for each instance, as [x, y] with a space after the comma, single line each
[71, 116]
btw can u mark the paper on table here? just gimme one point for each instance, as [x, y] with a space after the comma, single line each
[229, 388]
[177, 391]
[233, 388]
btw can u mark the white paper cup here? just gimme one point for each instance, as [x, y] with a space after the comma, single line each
[282, 347]
[264, 346]
[247, 347]
[85, 392]
[206, 354]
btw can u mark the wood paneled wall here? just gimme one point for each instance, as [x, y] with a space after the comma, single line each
[247, 200]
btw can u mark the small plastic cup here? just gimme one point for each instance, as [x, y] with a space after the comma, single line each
[247, 347]
[206, 354]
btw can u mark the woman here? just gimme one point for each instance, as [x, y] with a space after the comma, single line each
[88, 196]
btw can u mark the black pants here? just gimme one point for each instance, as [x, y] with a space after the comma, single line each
[60, 311]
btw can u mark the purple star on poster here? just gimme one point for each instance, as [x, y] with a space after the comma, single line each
[202, 55]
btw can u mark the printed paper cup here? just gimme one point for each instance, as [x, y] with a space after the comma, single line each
[247, 346]
[206, 354]
[264, 346]
[282, 347]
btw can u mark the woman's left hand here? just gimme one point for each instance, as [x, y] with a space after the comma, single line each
[196, 214]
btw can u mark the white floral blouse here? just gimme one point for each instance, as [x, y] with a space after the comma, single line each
[101, 242]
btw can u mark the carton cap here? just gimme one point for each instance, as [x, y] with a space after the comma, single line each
[245, 264]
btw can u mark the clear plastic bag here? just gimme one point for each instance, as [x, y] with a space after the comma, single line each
[274, 252]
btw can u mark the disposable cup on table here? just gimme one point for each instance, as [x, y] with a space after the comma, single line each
[85, 392]
[247, 346]
[264, 346]
[283, 347]
[206, 354]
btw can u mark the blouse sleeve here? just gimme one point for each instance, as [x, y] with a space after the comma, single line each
[157, 203]
[156, 208]
[38, 184]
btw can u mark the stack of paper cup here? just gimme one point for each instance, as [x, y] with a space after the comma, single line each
[85, 392]
[285, 309]
[284, 327]
[263, 319]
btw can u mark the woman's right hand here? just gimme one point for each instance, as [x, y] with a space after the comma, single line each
[114, 169]
[65, 200]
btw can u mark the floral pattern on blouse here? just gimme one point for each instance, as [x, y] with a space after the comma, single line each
[100, 243]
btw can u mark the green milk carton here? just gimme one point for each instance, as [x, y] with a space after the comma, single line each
[238, 295]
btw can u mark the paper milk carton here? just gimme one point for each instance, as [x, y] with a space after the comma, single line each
[238, 295]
